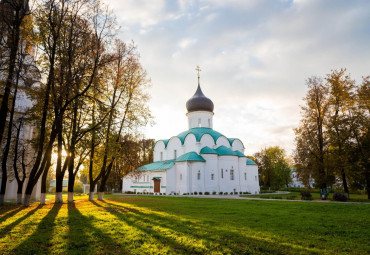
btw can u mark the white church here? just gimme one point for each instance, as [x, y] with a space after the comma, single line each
[199, 159]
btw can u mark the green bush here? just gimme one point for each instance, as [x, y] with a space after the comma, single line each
[206, 193]
[267, 191]
[214, 193]
[184, 194]
[226, 193]
[291, 197]
[306, 195]
[195, 193]
[340, 197]
[220, 193]
[276, 197]
[129, 192]
[200, 193]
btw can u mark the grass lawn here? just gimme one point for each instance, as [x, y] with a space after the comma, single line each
[180, 225]
[315, 196]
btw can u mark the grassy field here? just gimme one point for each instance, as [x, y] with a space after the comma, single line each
[179, 225]
[315, 196]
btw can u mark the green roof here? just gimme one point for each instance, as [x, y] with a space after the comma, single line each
[207, 150]
[224, 151]
[250, 162]
[190, 156]
[240, 154]
[198, 133]
[231, 140]
[158, 165]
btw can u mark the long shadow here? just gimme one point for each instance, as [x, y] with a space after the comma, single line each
[9, 227]
[11, 213]
[239, 243]
[39, 241]
[84, 237]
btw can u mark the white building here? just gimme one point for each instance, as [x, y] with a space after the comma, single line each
[199, 159]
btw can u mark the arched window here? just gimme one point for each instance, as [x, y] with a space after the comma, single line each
[180, 177]
[198, 175]
[175, 154]
[209, 123]
[222, 173]
[161, 155]
[199, 123]
[232, 174]
[212, 177]
[245, 176]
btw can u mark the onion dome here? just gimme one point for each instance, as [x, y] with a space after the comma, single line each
[199, 102]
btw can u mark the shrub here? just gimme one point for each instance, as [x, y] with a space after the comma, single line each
[195, 193]
[191, 193]
[246, 192]
[276, 197]
[184, 194]
[267, 191]
[306, 195]
[129, 192]
[340, 197]
[220, 193]
[200, 193]
[226, 193]
[206, 193]
[240, 192]
[214, 193]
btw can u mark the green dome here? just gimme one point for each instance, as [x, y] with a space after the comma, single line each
[250, 162]
[190, 156]
[240, 154]
[224, 151]
[198, 132]
[207, 150]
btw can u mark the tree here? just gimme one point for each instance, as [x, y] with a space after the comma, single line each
[311, 135]
[274, 167]
[341, 98]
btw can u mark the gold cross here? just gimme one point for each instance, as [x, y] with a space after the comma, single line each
[198, 70]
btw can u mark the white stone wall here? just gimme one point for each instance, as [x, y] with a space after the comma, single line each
[200, 119]
[143, 181]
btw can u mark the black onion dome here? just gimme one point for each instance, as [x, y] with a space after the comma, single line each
[199, 102]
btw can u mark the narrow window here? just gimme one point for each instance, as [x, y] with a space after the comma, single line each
[175, 154]
[232, 174]
[198, 175]
[255, 177]
[161, 155]
[222, 173]
[180, 177]
[245, 176]
[212, 177]
[199, 123]
[209, 123]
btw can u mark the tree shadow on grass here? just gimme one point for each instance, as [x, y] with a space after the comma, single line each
[225, 240]
[10, 213]
[85, 238]
[9, 227]
[39, 241]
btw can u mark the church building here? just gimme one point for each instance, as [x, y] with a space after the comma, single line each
[199, 159]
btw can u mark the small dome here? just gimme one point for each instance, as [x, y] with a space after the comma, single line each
[199, 102]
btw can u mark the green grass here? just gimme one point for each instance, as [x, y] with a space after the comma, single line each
[315, 196]
[182, 225]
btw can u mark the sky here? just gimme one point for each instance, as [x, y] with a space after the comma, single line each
[255, 56]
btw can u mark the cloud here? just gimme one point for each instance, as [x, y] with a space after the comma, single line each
[255, 57]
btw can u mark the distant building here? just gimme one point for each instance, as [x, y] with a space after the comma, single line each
[199, 159]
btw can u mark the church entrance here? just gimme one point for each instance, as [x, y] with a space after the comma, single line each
[157, 185]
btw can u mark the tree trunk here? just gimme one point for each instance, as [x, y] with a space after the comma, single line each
[70, 197]
[59, 197]
[19, 198]
[2, 198]
[42, 198]
[345, 185]
[26, 200]
[91, 196]
[100, 195]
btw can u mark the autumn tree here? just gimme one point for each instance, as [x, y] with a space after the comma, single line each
[311, 135]
[273, 166]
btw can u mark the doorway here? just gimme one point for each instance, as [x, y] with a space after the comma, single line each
[157, 186]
